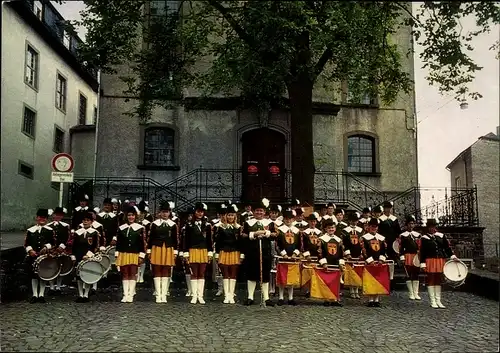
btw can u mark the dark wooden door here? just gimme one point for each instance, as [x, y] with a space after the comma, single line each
[263, 164]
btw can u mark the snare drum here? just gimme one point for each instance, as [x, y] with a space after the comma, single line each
[416, 261]
[47, 267]
[110, 252]
[105, 263]
[455, 273]
[90, 271]
[395, 246]
[66, 264]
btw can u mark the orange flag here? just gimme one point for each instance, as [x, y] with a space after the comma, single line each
[353, 275]
[325, 284]
[288, 274]
[376, 280]
[306, 274]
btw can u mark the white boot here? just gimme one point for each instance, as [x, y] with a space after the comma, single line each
[201, 289]
[94, 286]
[86, 290]
[59, 283]
[132, 285]
[357, 293]
[432, 296]
[232, 287]
[52, 285]
[126, 287]
[251, 289]
[157, 283]
[34, 287]
[80, 288]
[194, 291]
[227, 291]
[41, 292]
[189, 287]
[265, 289]
[437, 291]
[352, 293]
[409, 284]
[416, 285]
[165, 284]
[281, 293]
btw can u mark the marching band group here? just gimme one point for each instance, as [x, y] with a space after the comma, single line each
[257, 238]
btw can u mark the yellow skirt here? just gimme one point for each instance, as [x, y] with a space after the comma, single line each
[162, 256]
[434, 265]
[229, 258]
[127, 258]
[198, 256]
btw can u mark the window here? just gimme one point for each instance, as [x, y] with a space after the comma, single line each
[29, 121]
[61, 87]
[58, 140]
[159, 147]
[364, 99]
[25, 169]
[82, 110]
[94, 119]
[38, 9]
[458, 182]
[31, 67]
[66, 39]
[361, 154]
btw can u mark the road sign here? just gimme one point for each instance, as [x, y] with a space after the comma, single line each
[62, 177]
[63, 162]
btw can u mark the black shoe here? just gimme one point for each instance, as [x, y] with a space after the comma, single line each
[85, 300]
[79, 300]
[371, 304]
[308, 295]
[326, 303]
[376, 304]
[92, 292]
[58, 292]
[34, 300]
[337, 304]
[249, 302]
[41, 300]
[281, 302]
[269, 303]
[292, 302]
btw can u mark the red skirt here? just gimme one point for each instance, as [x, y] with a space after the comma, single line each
[434, 265]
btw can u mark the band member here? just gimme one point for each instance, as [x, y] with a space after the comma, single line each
[274, 213]
[198, 250]
[389, 227]
[217, 277]
[434, 251]
[247, 214]
[84, 245]
[310, 241]
[331, 251]
[351, 238]
[109, 221]
[162, 249]
[116, 206]
[185, 262]
[365, 216]
[39, 239]
[80, 211]
[228, 245]
[373, 250]
[144, 218]
[277, 221]
[323, 210]
[289, 244]
[410, 244]
[130, 252]
[299, 219]
[377, 211]
[62, 232]
[100, 242]
[256, 231]
[339, 215]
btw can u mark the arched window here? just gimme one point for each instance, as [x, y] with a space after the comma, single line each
[159, 146]
[360, 154]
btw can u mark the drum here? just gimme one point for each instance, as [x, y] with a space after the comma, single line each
[455, 273]
[416, 261]
[105, 263]
[90, 271]
[47, 267]
[110, 252]
[395, 246]
[66, 264]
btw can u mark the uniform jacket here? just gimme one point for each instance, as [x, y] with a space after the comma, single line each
[289, 240]
[39, 237]
[163, 232]
[109, 221]
[409, 243]
[78, 214]
[311, 242]
[331, 250]
[375, 247]
[252, 242]
[62, 232]
[228, 238]
[131, 239]
[198, 235]
[351, 237]
[84, 240]
[389, 227]
[434, 246]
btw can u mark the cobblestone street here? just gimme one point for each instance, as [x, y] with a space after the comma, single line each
[469, 324]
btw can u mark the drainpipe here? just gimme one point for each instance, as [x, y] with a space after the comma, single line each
[97, 122]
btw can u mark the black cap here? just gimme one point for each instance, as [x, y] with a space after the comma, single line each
[339, 211]
[312, 217]
[378, 209]
[83, 197]
[410, 218]
[275, 208]
[131, 209]
[165, 206]
[107, 200]
[330, 204]
[200, 206]
[354, 216]
[373, 222]
[59, 210]
[222, 209]
[88, 215]
[42, 212]
[431, 222]
[328, 223]
[387, 204]
[289, 213]
[367, 210]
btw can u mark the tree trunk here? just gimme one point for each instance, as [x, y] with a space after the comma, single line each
[300, 94]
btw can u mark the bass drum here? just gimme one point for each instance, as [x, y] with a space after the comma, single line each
[66, 264]
[90, 271]
[46, 267]
[455, 273]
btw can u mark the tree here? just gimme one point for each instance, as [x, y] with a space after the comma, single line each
[273, 52]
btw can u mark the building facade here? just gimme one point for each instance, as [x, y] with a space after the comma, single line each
[478, 166]
[45, 93]
[218, 151]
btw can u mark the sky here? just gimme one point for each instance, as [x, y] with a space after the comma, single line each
[443, 129]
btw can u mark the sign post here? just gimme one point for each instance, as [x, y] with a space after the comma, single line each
[62, 172]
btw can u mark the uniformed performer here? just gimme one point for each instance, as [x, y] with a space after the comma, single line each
[62, 232]
[331, 251]
[185, 262]
[39, 239]
[410, 244]
[299, 221]
[289, 246]
[116, 206]
[162, 249]
[341, 224]
[374, 249]
[351, 238]
[84, 245]
[256, 232]
[389, 227]
[217, 276]
[228, 243]
[434, 251]
[109, 221]
[311, 236]
[100, 241]
[277, 220]
[365, 216]
[130, 252]
[80, 211]
[247, 214]
[198, 250]
[144, 218]
[330, 214]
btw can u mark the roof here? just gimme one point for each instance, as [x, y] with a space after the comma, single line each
[490, 137]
